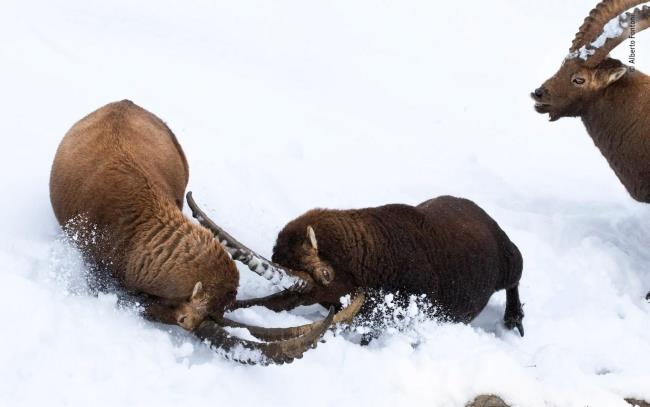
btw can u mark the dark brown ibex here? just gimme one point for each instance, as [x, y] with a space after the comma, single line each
[122, 170]
[447, 248]
[612, 99]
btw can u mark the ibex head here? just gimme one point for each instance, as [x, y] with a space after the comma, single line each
[212, 278]
[305, 257]
[301, 278]
[200, 304]
[587, 70]
[289, 343]
[192, 312]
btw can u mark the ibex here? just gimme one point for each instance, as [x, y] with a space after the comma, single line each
[446, 248]
[612, 99]
[123, 170]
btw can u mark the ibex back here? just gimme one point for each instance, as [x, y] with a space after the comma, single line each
[446, 248]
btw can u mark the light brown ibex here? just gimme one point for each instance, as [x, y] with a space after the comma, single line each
[612, 99]
[122, 170]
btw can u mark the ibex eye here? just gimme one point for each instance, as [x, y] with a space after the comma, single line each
[578, 81]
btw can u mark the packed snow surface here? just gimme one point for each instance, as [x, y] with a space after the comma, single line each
[288, 105]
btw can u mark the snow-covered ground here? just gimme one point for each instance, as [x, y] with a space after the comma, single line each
[287, 105]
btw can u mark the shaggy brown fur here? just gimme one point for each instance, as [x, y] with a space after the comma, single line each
[614, 105]
[122, 170]
[447, 248]
[612, 99]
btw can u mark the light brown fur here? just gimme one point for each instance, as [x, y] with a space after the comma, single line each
[122, 170]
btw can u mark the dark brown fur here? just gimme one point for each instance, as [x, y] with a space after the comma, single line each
[614, 109]
[447, 248]
[123, 171]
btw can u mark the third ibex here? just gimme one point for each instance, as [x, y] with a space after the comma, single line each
[612, 99]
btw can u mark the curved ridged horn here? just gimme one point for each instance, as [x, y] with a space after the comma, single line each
[278, 275]
[597, 18]
[250, 352]
[346, 315]
[269, 334]
[629, 24]
[275, 334]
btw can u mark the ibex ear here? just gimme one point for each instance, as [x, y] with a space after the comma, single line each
[311, 235]
[198, 287]
[615, 74]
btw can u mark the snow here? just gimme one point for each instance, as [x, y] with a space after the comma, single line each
[284, 106]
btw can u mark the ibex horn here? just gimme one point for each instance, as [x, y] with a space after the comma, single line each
[280, 276]
[604, 25]
[275, 334]
[250, 352]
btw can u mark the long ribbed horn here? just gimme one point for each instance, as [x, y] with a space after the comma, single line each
[269, 334]
[250, 352]
[281, 276]
[627, 25]
[597, 18]
[275, 334]
[605, 28]
[348, 313]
